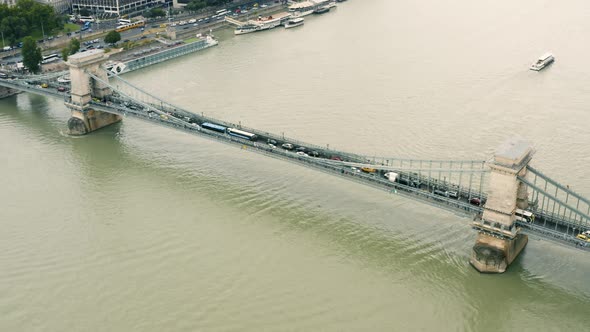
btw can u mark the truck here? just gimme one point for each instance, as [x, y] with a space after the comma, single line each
[391, 176]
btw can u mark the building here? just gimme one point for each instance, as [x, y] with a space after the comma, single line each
[60, 6]
[118, 7]
[10, 3]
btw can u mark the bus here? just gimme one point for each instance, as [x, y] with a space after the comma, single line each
[214, 127]
[129, 26]
[50, 58]
[524, 216]
[221, 13]
[123, 21]
[85, 19]
[242, 134]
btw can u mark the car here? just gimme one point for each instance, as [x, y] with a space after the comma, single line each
[301, 153]
[301, 148]
[585, 236]
[288, 146]
[336, 158]
[475, 201]
[61, 89]
[441, 192]
[126, 41]
[271, 141]
[368, 170]
[143, 37]
[264, 6]
[313, 154]
[192, 20]
[453, 194]
[100, 46]
[44, 85]
[272, 146]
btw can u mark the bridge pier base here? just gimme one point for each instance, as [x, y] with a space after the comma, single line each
[499, 240]
[7, 92]
[87, 121]
[493, 255]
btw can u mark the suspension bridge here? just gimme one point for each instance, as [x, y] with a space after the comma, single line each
[505, 195]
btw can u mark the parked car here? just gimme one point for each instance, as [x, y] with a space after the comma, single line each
[288, 146]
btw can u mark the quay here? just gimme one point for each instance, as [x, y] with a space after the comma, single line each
[498, 194]
[154, 55]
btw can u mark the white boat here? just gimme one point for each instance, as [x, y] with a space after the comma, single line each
[543, 61]
[294, 22]
[305, 8]
[64, 79]
[246, 29]
[262, 23]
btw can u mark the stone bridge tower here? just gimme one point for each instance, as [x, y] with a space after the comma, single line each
[84, 119]
[499, 240]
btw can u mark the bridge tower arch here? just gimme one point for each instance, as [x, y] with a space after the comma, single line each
[83, 88]
[499, 240]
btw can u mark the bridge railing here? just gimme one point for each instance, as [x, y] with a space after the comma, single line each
[556, 203]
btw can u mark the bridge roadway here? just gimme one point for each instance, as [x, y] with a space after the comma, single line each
[411, 182]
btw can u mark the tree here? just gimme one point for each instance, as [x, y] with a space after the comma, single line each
[84, 12]
[196, 5]
[112, 37]
[74, 46]
[31, 55]
[156, 12]
[65, 52]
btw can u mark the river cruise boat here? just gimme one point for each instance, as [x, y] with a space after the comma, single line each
[263, 23]
[305, 8]
[543, 61]
[321, 10]
[294, 22]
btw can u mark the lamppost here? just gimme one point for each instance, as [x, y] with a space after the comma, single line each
[42, 30]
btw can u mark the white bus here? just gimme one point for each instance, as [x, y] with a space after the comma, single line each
[221, 13]
[86, 19]
[123, 21]
[50, 58]
[524, 216]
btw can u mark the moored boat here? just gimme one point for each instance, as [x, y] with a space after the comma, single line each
[321, 10]
[294, 22]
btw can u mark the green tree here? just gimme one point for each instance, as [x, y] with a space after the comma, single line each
[65, 52]
[196, 5]
[112, 37]
[156, 12]
[74, 46]
[84, 12]
[31, 55]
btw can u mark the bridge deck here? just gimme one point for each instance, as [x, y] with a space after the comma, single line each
[419, 179]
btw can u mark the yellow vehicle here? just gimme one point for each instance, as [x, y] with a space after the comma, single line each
[584, 236]
[163, 25]
[44, 85]
[368, 170]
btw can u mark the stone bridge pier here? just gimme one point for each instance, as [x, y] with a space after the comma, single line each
[83, 88]
[499, 240]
